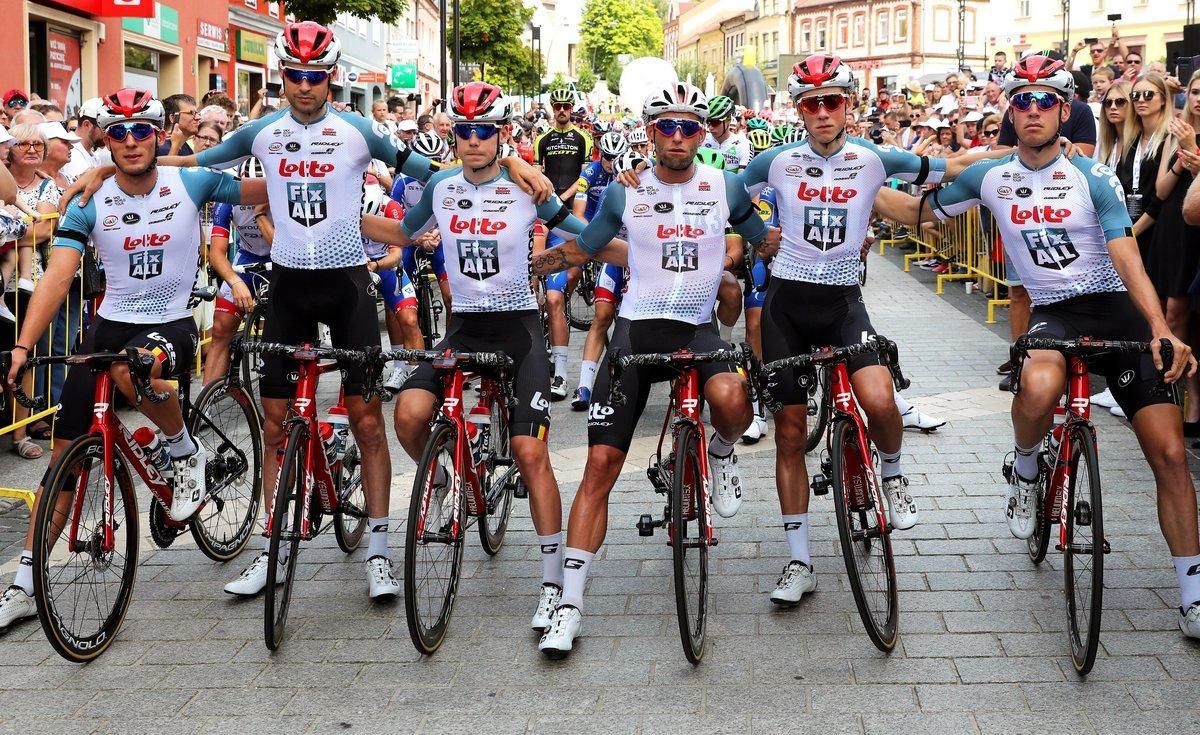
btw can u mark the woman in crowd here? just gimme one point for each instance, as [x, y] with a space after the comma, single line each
[1118, 125]
[1138, 170]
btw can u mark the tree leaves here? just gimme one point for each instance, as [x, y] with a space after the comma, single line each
[325, 12]
[610, 28]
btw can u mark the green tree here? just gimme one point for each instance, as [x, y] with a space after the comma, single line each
[517, 74]
[490, 34]
[326, 11]
[558, 82]
[613, 27]
[587, 79]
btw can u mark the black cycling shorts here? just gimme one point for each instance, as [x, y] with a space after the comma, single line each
[1132, 378]
[344, 299]
[800, 317]
[176, 341]
[517, 334]
[613, 425]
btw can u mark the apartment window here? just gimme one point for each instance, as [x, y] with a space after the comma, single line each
[806, 36]
[376, 31]
[843, 31]
[941, 24]
[881, 26]
[821, 28]
[969, 30]
[901, 24]
[775, 43]
[1023, 8]
[252, 4]
[860, 29]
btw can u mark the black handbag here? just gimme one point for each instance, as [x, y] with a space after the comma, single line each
[94, 281]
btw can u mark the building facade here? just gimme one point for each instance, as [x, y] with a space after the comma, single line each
[1146, 26]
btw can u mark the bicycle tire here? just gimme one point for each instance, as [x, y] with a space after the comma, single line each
[252, 329]
[1039, 542]
[348, 529]
[581, 300]
[289, 501]
[58, 601]
[223, 526]
[427, 312]
[818, 410]
[498, 482]
[689, 543]
[427, 623]
[866, 548]
[1083, 558]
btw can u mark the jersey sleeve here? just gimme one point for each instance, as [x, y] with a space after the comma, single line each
[237, 144]
[742, 214]
[539, 155]
[209, 185]
[1108, 197]
[961, 194]
[222, 220]
[559, 220]
[606, 223]
[76, 226]
[754, 177]
[419, 218]
[381, 144]
[908, 166]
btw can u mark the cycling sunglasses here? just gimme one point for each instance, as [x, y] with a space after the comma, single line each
[312, 76]
[139, 130]
[668, 125]
[483, 131]
[1024, 100]
[831, 102]
[562, 106]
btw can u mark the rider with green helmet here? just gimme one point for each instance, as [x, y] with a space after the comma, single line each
[760, 140]
[720, 138]
[710, 157]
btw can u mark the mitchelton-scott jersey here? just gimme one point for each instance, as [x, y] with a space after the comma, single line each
[676, 236]
[315, 174]
[149, 244]
[487, 235]
[824, 204]
[1056, 221]
[735, 149]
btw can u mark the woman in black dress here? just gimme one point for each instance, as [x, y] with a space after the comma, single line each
[1138, 171]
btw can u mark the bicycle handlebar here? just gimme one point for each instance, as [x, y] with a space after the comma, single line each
[878, 344]
[140, 365]
[371, 358]
[449, 360]
[253, 268]
[681, 360]
[1084, 347]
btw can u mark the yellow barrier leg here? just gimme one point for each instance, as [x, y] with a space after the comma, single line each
[25, 496]
[992, 304]
[943, 277]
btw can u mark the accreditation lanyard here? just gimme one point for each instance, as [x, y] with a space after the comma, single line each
[1137, 164]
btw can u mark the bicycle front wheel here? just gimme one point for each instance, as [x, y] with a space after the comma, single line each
[499, 478]
[82, 583]
[428, 310]
[350, 519]
[252, 329]
[818, 409]
[286, 524]
[1083, 557]
[581, 301]
[689, 537]
[433, 542]
[866, 546]
[224, 420]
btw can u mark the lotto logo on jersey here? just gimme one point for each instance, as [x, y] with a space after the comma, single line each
[152, 240]
[145, 264]
[1038, 215]
[680, 256]
[479, 259]
[307, 204]
[832, 194]
[825, 228]
[305, 169]
[1050, 248]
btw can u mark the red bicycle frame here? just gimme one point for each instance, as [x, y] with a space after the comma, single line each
[864, 488]
[684, 408]
[1078, 409]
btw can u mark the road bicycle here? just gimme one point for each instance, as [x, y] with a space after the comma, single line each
[254, 322]
[848, 466]
[85, 538]
[682, 474]
[466, 475]
[429, 298]
[320, 473]
[1068, 486]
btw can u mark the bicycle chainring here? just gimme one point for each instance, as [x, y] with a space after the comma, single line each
[161, 530]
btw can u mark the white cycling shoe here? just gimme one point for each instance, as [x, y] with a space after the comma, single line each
[1104, 399]
[191, 484]
[757, 430]
[15, 605]
[902, 509]
[253, 578]
[547, 602]
[914, 419]
[1189, 620]
[380, 580]
[396, 380]
[1018, 509]
[564, 628]
[727, 481]
[796, 581]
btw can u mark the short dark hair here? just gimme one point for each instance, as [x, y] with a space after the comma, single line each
[172, 104]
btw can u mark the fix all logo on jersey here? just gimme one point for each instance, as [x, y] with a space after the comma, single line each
[145, 264]
[825, 228]
[307, 204]
[1050, 248]
[479, 259]
[680, 256]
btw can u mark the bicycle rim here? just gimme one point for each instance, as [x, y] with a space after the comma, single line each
[689, 543]
[1039, 542]
[818, 410]
[498, 482]
[347, 528]
[427, 312]
[581, 302]
[83, 591]
[252, 329]
[224, 420]
[1083, 559]
[285, 535]
[432, 550]
[866, 548]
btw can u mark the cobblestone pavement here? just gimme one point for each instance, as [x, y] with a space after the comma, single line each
[982, 645]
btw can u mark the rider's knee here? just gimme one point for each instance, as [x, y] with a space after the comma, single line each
[727, 391]
[791, 433]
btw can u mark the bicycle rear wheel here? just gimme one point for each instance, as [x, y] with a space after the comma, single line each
[581, 301]
[1083, 558]
[350, 519]
[252, 329]
[689, 543]
[82, 590]
[224, 420]
[428, 310]
[284, 546]
[818, 409]
[866, 547]
[433, 543]
[1040, 540]
[498, 480]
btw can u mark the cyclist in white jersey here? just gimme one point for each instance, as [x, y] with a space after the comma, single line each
[676, 223]
[1084, 273]
[733, 146]
[144, 224]
[487, 225]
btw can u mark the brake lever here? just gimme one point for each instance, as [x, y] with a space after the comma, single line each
[18, 394]
[139, 372]
[1016, 360]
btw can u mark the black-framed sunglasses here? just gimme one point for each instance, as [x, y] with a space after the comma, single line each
[991, 133]
[562, 106]
[1133, 61]
[18, 103]
[1144, 95]
[1114, 102]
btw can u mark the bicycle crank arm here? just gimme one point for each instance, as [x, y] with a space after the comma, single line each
[349, 509]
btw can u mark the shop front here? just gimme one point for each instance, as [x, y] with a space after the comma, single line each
[153, 56]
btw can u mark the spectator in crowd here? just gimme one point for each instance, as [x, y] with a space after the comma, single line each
[406, 130]
[1102, 79]
[71, 124]
[425, 123]
[1133, 66]
[1099, 53]
[993, 96]
[217, 114]
[442, 124]
[1118, 125]
[49, 110]
[6, 142]
[999, 67]
[1138, 169]
[379, 113]
[15, 100]
[182, 122]
[58, 153]
[220, 99]
[90, 151]
[208, 134]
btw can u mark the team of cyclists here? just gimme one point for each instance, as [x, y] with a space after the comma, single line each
[671, 208]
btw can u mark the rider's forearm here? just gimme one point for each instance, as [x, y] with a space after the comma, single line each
[181, 161]
[956, 165]
[559, 258]
[384, 229]
[391, 260]
[218, 258]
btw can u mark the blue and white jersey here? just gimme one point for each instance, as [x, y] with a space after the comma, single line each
[823, 205]
[149, 244]
[230, 218]
[407, 190]
[1056, 221]
[487, 235]
[315, 174]
[592, 182]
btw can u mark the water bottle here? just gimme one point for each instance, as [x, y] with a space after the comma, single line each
[479, 429]
[156, 451]
[339, 421]
[1054, 436]
[329, 440]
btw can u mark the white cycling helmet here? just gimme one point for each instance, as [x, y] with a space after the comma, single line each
[479, 102]
[374, 201]
[430, 144]
[130, 105]
[678, 97]
[613, 144]
[820, 71]
[251, 168]
[628, 160]
[638, 136]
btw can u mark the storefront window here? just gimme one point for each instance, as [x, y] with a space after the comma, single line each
[141, 68]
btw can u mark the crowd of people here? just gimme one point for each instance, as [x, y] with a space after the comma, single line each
[676, 203]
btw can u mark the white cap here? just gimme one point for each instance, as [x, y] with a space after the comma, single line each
[989, 110]
[938, 124]
[930, 87]
[4, 136]
[948, 105]
[56, 130]
[972, 116]
[406, 126]
[91, 108]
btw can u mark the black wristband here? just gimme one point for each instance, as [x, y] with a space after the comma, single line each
[23, 347]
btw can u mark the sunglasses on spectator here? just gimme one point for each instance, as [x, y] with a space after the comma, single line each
[483, 131]
[1144, 95]
[18, 103]
[72, 128]
[668, 125]
[831, 102]
[140, 131]
[312, 76]
[562, 106]
[27, 145]
[1115, 102]
[991, 133]
[1133, 61]
[1097, 51]
[1024, 100]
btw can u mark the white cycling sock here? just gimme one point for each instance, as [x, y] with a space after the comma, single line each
[726, 331]
[181, 445]
[559, 355]
[587, 374]
[575, 571]
[889, 464]
[24, 578]
[1026, 462]
[795, 529]
[902, 405]
[552, 558]
[1187, 571]
[719, 446]
[378, 545]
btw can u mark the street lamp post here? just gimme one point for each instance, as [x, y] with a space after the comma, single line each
[442, 45]
[457, 45]
[535, 42]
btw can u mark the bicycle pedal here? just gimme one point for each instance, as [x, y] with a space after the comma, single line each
[820, 484]
[646, 525]
[521, 491]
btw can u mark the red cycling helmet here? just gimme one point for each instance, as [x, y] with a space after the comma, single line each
[1043, 71]
[479, 102]
[130, 105]
[308, 43]
[820, 71]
